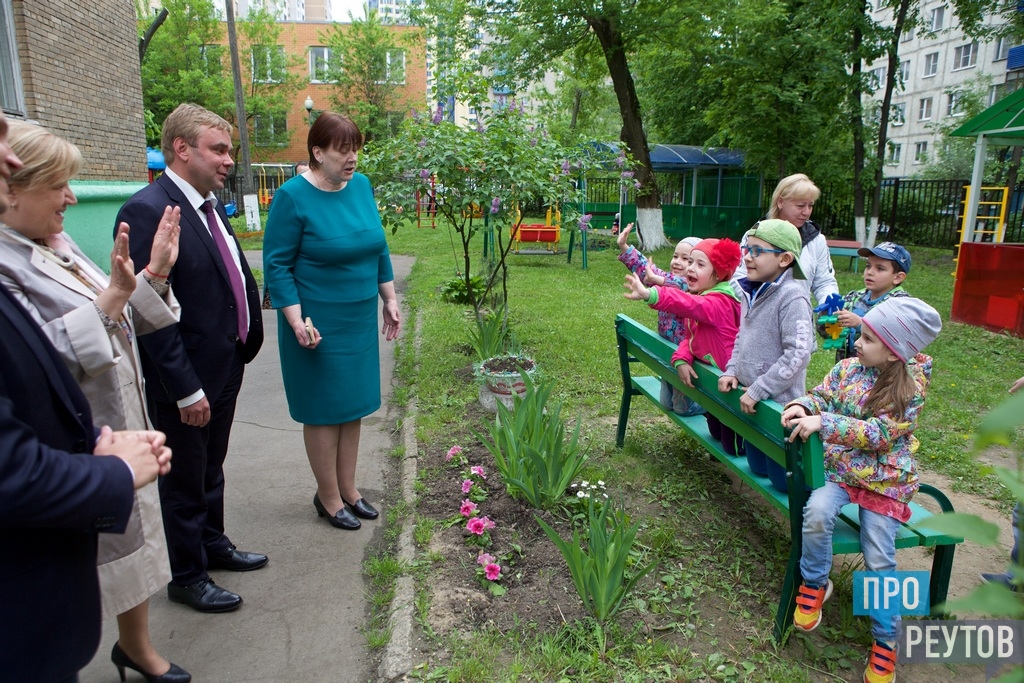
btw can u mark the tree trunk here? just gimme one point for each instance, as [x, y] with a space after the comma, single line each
[857, 123]
[650, 228]
[577, 99]
[883, 123]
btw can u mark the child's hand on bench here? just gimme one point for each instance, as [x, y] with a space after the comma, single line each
[686, 374]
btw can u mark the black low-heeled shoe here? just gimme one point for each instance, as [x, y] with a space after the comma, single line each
[361, 508]
[121, 660]
[342, 519]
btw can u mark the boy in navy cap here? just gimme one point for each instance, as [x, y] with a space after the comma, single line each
[888, 266]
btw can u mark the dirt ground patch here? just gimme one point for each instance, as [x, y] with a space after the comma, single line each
[540, 593]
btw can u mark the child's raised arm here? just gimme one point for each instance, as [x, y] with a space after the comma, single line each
[623, 237]
[635, 289]
[1017, 386]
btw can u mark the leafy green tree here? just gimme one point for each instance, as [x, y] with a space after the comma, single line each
[532, 33]
[581, 105]
[185, 61]
[270, 80]
[368, 67]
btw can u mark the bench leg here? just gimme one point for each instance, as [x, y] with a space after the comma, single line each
[627, 384]
[942, 567]
[787, 600]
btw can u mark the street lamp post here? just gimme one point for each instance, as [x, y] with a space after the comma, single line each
[309, 109]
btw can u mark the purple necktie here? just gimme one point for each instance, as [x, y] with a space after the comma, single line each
[237, 288]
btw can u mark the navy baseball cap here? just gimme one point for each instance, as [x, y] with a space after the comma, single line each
[889, 251]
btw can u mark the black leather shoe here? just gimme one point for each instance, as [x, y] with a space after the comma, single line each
[236, 561]
[342, 519]
[173, 675]
[204, 596]
[361, 508]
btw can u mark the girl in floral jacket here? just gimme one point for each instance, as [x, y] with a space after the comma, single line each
[866, 410]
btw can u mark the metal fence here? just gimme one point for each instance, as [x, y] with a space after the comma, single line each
[915, 212]
[266, 178]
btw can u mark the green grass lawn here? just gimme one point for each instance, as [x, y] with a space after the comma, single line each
[718, 567]
[564, 316]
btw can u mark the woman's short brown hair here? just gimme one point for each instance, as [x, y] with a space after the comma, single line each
[48, 159]
[332, 131]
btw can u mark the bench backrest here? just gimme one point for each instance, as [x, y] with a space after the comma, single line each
[764, 428]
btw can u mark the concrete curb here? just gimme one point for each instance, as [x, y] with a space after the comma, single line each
[397, 660]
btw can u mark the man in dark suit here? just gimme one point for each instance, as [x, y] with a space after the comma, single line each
[54, 496]
[194, 369]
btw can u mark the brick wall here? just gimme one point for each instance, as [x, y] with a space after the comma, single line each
[80, 70]
[297, 38]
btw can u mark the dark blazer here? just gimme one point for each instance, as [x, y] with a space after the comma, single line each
[197, 352]
[54, 498]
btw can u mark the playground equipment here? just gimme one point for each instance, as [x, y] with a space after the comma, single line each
[426, 207]
[547, 234]
[839, 336]
[990, 218]
[263, 192]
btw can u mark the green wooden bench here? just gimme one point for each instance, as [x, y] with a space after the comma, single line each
[804, 461]
[846, 248]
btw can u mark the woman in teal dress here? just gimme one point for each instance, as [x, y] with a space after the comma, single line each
[325, 260]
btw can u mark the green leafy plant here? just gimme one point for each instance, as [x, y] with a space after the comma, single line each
[599, 571]
[489, 336]
[991, 598]
[455, 291]
[530, 449]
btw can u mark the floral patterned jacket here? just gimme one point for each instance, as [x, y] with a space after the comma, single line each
[670, 326]
[870, 452]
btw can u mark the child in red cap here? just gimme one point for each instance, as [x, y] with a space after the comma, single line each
[711, 310]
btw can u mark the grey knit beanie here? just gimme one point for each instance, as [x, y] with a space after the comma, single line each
[904, 324]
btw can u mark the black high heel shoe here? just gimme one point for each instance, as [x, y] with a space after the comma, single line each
[361, 508]
[342, 519]
[174, 675]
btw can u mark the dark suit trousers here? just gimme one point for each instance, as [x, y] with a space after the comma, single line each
[192, 494]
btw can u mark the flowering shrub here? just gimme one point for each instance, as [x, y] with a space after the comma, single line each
[501, 163]
[488, 572]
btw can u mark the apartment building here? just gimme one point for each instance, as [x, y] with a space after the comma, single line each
[74, 68]
[936, 63]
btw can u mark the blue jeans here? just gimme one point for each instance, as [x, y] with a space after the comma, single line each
[677, 401]
[877, 541]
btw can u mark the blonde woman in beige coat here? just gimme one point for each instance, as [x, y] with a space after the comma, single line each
[92, 320]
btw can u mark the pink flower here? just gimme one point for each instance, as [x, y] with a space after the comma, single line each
[468, 508]
[488, 524]
[492, 572]
[452, 452]
[478, 471]
[484, 559]
[467, 484]
[476, 526]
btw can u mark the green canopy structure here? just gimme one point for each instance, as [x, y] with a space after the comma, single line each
[1001, 124]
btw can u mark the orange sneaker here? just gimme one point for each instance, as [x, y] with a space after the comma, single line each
[809, 600]
[881, 663]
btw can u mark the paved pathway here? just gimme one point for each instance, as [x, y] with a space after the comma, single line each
[301, 616]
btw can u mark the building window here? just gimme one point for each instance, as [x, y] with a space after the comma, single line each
[938, 18]
[213, 59]
[995, 93]
[955, 106]
[931, 64]
[12, 98]
[1002, 49]
[920, 152]
[898, 114]
[907, 35]
[904, 72]
[965, 56]
[895, 152]
[270, 130]
[319, 64]
[394, 68]
[924, 111]
[268, 63]
[876, 78]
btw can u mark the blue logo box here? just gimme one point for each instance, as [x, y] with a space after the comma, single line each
[883, 594]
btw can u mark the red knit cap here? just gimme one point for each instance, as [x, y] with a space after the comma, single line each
[724, 255]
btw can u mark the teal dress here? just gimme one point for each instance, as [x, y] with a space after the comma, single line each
[327, 252]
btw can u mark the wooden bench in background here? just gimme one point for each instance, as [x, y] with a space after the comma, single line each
[804, 461]
[845, 248]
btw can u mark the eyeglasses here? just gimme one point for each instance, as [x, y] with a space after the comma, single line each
[757, 251]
